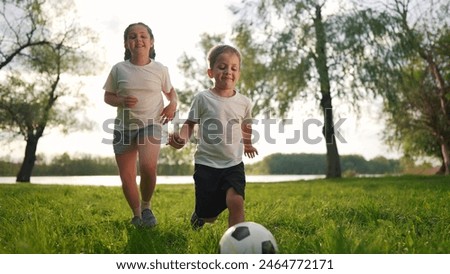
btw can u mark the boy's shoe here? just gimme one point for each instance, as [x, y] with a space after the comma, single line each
[148, 219]
[136, 221]
[196, 222]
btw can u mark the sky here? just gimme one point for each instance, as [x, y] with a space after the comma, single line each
[177, 25]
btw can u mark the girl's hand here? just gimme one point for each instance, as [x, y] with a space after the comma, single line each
[168, 113]
[129, 101]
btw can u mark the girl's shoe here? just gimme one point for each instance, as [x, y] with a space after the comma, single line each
[148, 219]
[136, 221]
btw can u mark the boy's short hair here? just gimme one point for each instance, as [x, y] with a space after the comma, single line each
[218, 50]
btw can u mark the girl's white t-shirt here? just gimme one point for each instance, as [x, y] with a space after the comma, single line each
[145, 83]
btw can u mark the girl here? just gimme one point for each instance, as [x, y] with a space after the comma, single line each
[134, 86]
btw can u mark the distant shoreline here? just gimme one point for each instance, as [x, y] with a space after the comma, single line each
[114, 180]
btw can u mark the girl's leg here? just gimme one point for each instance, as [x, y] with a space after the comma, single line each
[127, 170]
[235, 204]
[148, 157]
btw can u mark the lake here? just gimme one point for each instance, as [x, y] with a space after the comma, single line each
[114, 180]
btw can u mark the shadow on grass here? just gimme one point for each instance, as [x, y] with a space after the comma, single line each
[154, 241]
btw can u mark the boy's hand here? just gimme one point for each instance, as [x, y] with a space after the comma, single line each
[175, 141]
[250, 151]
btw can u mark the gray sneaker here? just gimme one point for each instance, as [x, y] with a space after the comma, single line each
[136, 221]
[196, 222]
[148, 219]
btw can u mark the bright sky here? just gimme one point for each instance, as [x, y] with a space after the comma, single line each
[177, 26]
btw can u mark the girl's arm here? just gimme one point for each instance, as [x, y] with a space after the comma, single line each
[169, 111]
[114, 100]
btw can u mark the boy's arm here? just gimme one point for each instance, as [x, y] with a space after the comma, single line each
[178, 140]
[249, 150]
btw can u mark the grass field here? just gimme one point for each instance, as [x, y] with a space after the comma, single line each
[389, 215]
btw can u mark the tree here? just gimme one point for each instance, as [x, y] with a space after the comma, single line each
[32, 34]
[40, 48]
[425, 86]
[195, 73]
[408, 66]
[289, 49]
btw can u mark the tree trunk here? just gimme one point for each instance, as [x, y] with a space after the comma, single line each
[445, 157]
[26, 169]
[333, 159]
[441, 170]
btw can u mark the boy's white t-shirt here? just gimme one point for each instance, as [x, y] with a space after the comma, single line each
[219, 118]
[143, 82]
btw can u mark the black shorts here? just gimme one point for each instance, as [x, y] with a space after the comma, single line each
[211, 185]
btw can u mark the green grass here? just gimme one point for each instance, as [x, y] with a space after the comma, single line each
[390, 215]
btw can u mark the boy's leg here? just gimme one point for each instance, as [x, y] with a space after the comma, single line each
[235, 193]
[208, 203]
[235, 204]
[197, 222]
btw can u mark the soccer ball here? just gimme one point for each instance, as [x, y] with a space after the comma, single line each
[247, 238]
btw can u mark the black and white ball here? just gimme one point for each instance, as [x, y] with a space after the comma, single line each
[248, 238]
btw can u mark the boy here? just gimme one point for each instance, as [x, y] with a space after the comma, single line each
[224, 119]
